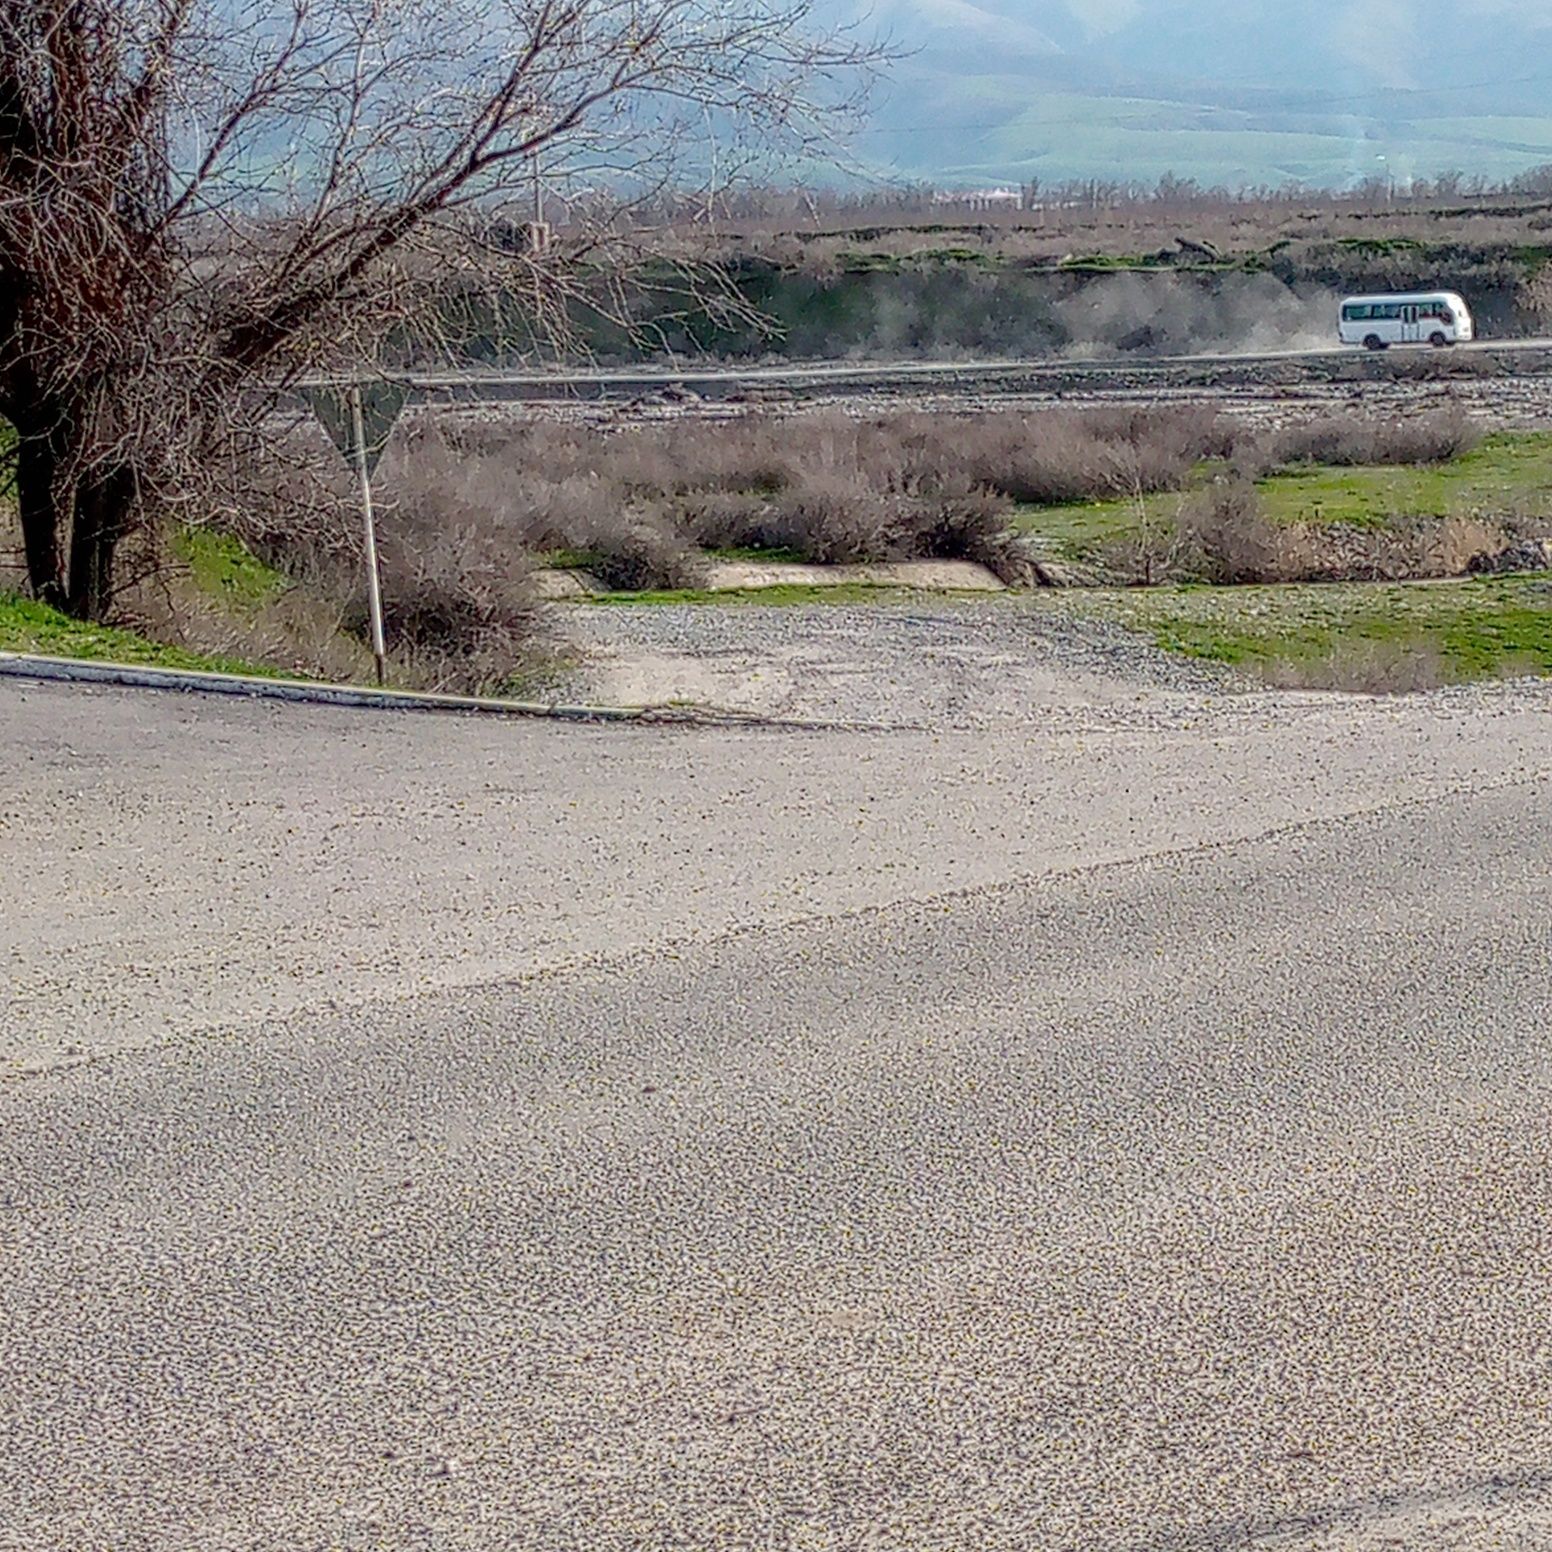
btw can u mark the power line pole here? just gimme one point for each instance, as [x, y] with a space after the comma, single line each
[374, 581]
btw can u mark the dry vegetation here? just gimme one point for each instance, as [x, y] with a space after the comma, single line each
[641, 508]
[814, 230]
[1224, 537]
[468, 511]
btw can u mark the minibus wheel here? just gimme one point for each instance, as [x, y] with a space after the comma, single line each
[1437, 339]
[1373, 342]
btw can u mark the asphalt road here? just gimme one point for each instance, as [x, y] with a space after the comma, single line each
[863, 371]
[1120, 1138]
[996, 378]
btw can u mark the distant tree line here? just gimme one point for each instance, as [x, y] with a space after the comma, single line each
[796, 206]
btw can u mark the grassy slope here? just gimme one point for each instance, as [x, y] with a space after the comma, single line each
[219, 568]
[1350, 635]
[223, 569]
[1512, 472]
[27, 626]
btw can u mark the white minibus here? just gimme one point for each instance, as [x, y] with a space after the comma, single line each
[1410, 318]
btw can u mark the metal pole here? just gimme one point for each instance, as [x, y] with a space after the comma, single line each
[374, 584]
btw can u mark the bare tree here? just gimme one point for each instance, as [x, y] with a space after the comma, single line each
[202, 197]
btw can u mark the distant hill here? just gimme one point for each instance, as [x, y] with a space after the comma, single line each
[1318, 91]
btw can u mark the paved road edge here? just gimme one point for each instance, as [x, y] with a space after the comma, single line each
[26, 665]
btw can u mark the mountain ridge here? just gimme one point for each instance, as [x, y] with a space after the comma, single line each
[1337, 92]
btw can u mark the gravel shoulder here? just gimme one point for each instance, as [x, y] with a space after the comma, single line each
[922, 662]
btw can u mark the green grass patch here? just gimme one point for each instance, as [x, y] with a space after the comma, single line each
[28, 626]
[1379, 247]
[1361, 636]
[568, 560]
[1083, 530]
[775, 556]
[222, 567]
[1507, 474]
[1108, 263]
[854, 263]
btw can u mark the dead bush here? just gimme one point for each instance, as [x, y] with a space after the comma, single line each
[1057, 464]
[1414, 549]
[638, 549]
[968, 525]
[727, 520]
[453, 621]
[1436, 436]
[459, 611]
[756, 455]
[1232, 541]
[301, 515]
[832, 518]
[1189, 431]
[1064, 456]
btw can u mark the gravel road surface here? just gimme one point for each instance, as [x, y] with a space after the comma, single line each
[1102, 1134]
[934, 663]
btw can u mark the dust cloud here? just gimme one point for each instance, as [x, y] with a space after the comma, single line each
[1167, 316]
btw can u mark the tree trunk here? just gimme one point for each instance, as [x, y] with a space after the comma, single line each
[43, 503]
[103, 503]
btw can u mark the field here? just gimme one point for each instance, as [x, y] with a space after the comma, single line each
[1509, 474]
[1346, 636]
[1301, 506]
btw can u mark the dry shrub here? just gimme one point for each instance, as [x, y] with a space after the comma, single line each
[1230, 540]
[1063, 464]
[1413, 549]
[836, 519]
[1226, 538]
[968, 525]
[1189, 431]
[725, 520]
[459, 611]
[301, 515]
[828, 487]
[458, 603]
[1063, 456]
[454, 613]
[541, 514]
[640, 548]
[1435, 436]
[757, 455]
